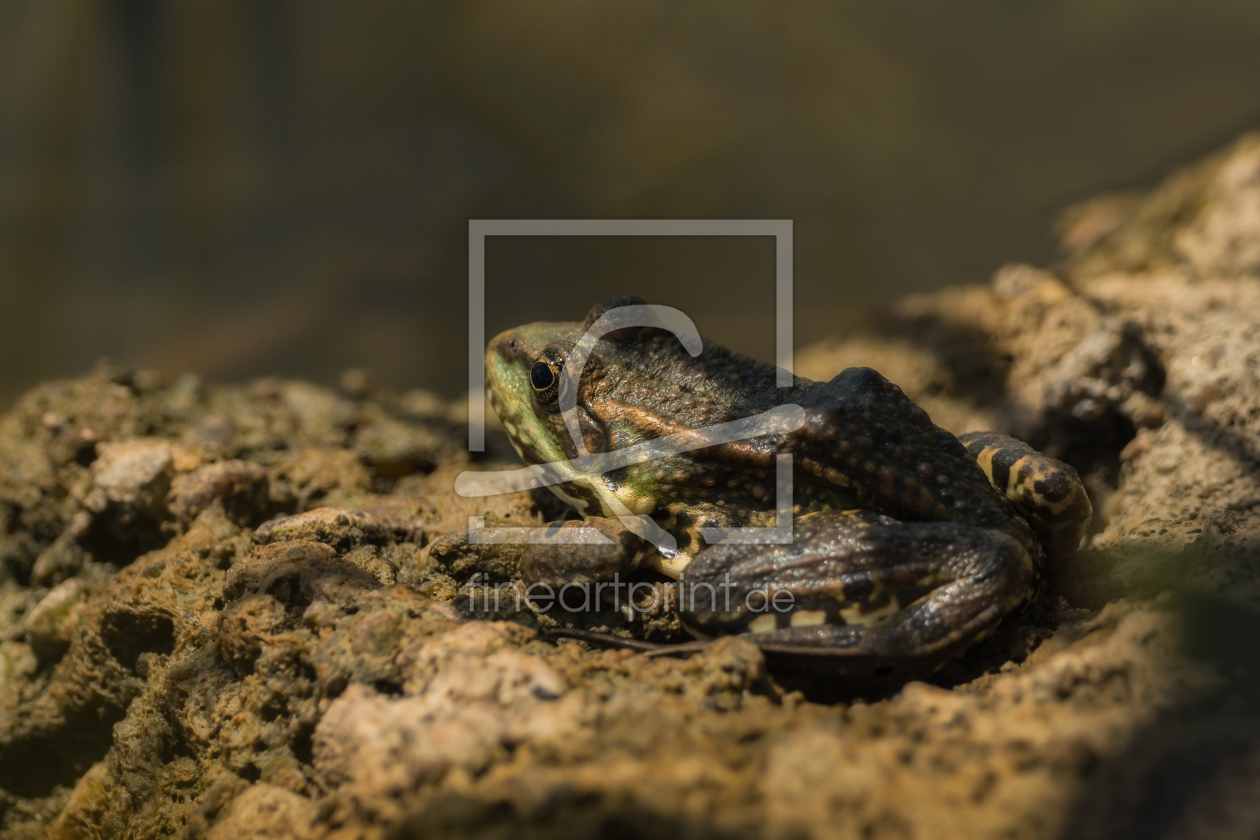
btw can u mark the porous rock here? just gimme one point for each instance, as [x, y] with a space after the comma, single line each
[257, 611]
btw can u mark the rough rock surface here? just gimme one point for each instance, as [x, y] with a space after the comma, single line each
[235, 612]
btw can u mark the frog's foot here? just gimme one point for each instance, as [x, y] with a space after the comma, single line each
[1048, 493]
[861, 593]
[581, 552]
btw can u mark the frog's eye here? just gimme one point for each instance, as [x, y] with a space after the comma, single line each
[544, 376]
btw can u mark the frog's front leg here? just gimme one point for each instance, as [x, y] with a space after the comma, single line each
[583, 551]
[866, 593]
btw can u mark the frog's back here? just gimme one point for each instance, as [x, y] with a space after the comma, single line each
[865, 436]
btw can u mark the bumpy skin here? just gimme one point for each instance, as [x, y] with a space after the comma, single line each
[1047, 492]
[904, 550]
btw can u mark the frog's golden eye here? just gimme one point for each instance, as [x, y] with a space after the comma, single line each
[544, 376]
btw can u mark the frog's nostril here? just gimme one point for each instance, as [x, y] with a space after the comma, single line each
[513, 344]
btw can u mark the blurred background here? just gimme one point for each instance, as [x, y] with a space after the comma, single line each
[248, 187]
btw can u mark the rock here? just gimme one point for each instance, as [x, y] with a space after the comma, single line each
[50, 625]
[175, 663]
[305, 477]
[1202, 223]
[369, 747]
[359, 384]
[424, 405]
[130, 482]
[241, 487]
[396, 448]
[133, 477]
[384, 746]
[296, 567]
[90, 812]
[266, 811]
[335, 526]
[65, 557]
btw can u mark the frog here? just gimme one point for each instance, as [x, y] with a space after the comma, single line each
[908, 544]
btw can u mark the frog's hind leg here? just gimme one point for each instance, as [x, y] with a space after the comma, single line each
[859, 593]
[1047, 492]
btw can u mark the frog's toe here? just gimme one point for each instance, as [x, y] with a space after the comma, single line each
[872, 596]
[1047, 492]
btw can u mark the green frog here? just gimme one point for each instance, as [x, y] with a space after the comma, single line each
[907, 544]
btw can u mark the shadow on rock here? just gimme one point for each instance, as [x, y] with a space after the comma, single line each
[1194, 770]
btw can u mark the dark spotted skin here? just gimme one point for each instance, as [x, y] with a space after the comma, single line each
[904, 552]
[1047, 492]
[948, 586]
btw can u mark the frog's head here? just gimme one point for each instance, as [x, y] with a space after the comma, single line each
[524, 369]
[529, 375]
